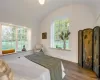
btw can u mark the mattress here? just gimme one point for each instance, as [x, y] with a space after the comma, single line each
[24, 69]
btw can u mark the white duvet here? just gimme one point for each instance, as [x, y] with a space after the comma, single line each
[26, 70]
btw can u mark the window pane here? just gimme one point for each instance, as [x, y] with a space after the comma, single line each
[59, 27]
[22, 38]
[14, 37]
[8, 37]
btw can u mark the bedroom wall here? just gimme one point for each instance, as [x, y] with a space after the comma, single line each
[80, 17]
[35, 34]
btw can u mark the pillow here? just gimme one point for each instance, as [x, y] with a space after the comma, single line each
[6, 73]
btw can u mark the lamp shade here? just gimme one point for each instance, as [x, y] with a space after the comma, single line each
[41, 2]
[5, 71]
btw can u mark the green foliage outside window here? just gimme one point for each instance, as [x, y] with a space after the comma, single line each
[22, 38]
[60, 26]
[8, 37]
[12, 36]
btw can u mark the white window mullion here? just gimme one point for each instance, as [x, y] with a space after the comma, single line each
[16, 39]
[52, 36]
[29, 39]
[0, 39]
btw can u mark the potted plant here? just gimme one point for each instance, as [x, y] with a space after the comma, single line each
[64, 36]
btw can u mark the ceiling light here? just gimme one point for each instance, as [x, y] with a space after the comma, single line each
[41, 2]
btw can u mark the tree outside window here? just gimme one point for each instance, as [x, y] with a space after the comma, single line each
[14, 37]
[58, 27]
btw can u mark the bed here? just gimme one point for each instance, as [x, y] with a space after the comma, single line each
[24, 69]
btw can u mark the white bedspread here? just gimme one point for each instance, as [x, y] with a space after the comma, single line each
[24, 69]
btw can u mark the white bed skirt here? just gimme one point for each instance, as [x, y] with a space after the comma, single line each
[24, 69]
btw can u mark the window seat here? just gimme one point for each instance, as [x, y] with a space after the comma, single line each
[10, 51]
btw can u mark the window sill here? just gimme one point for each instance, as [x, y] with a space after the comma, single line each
[7, 54]
[61, 49]
[17, 52]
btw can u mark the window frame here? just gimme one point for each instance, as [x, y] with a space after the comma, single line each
[52, 36]
[16, 34]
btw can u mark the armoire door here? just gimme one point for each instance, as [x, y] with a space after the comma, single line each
[87, 48]
[80, 48]
[96, 50]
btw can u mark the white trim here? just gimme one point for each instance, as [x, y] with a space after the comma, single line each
[16, 39]
[28, 35]
[0, 39]
[60, 49]
[52, 36]
[2, 23]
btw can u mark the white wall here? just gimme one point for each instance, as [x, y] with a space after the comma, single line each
[98, 20]
[35, 34]
[80, 17]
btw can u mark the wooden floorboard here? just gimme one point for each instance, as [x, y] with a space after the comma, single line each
[75, 72]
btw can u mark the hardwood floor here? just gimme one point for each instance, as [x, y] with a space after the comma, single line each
[75, 72]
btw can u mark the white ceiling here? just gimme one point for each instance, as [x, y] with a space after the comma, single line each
[27, 12]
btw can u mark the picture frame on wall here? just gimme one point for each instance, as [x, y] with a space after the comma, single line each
[44, 35]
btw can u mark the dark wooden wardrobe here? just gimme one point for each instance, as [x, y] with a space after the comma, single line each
[89, 49]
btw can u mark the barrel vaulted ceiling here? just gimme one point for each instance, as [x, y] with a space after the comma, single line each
[28, 12]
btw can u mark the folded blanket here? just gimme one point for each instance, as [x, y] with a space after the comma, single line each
[53, 64]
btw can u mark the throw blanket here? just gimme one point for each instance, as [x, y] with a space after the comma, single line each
[53, 64]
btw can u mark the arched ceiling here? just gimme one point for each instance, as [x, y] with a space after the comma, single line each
[28, 12]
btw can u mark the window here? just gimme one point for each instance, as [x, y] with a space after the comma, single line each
[57, 27]
[22, 38]
[8, 37]
[14, 37]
